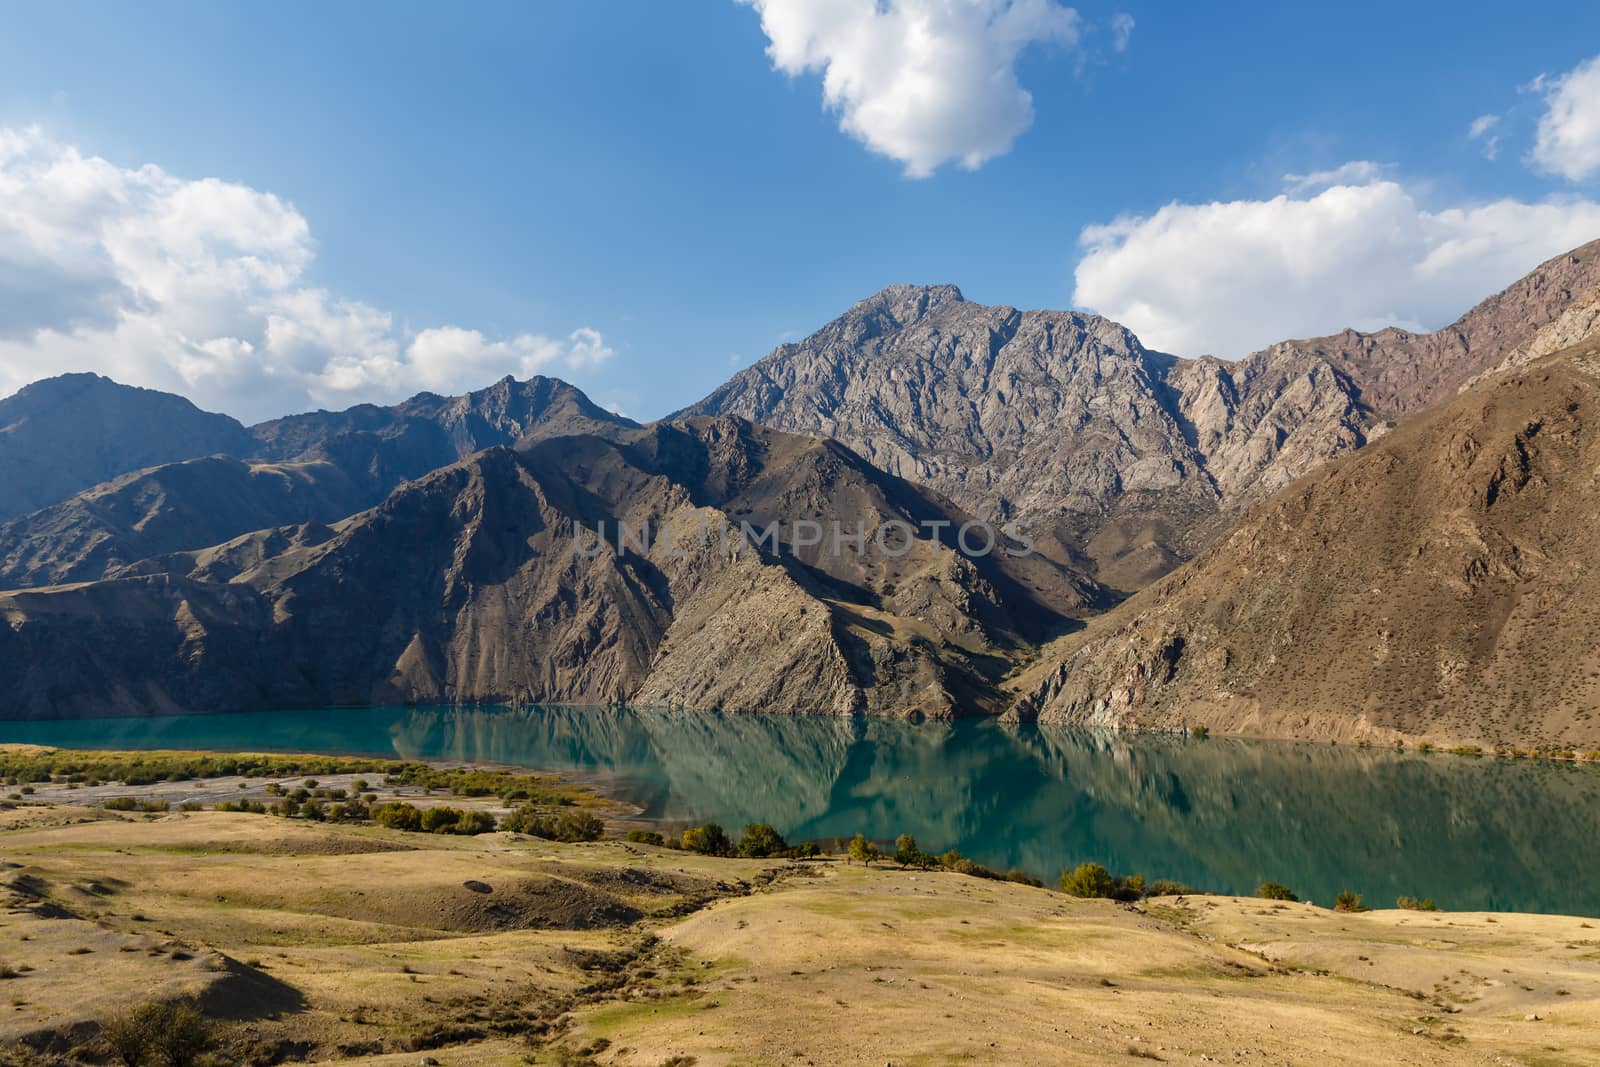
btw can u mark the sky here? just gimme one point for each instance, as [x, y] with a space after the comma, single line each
[272, 208]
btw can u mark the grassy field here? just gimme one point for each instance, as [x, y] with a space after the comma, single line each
[310, 941]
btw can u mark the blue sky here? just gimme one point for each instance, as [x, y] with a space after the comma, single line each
[641, 172]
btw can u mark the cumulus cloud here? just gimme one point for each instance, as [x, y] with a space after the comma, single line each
[1568, 143]
[924, 82]
[1230, 278]
[199, 286]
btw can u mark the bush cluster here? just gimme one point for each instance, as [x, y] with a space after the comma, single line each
[172, 1034]
[569, 826]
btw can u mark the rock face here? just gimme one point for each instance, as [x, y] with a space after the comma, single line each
[1442, 582]
[65, 434]
[468, 585]
[1061, 422]
[319, 467]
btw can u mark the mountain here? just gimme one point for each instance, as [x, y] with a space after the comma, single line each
[1443, 582]
[1060, 422]
[467, 585]
[319, 467]
[65, 434]
[1065, 424]
[430, 431]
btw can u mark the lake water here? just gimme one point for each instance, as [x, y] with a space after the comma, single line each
[1218, 814]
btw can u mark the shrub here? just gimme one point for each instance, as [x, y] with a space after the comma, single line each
[645, 837]
[1348, 901]
[1165, 887]
[1200, 731]
[1274, 891]
[1093, 880]
[169, 1034]
[569, 826]
[254, 807]
[134, 804]
[709, 839]
[1413, 904]
[760, 840]
[314, 810]
[579, 826]
[440, 820]
[397, 815]
[1022, 877]
[474, 822]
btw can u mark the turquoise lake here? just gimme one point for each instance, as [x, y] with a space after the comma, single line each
[1219, 814]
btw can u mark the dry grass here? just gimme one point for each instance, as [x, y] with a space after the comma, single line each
[356, 944]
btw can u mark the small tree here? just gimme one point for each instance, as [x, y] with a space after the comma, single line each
[1274, 891]
[862, 850]
[760, 840]
[905, 850]
[1088, 880]
[709, 839]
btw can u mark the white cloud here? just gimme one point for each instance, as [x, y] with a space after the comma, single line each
[1230, 278]
[1569, 131]
[1480, 130]
[199, 287]
[1121, 30]
[924, 82]
[1356, 172]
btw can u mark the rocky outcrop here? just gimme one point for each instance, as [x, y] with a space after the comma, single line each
[1440, 583]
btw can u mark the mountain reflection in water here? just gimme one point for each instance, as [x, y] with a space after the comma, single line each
[1218, 814]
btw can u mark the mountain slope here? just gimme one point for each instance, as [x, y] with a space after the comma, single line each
[467, 585]
[1395, 372]
[64, 434]
[172, 507]
[1444, 582]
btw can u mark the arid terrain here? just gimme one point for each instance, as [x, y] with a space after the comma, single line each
[323, 942]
